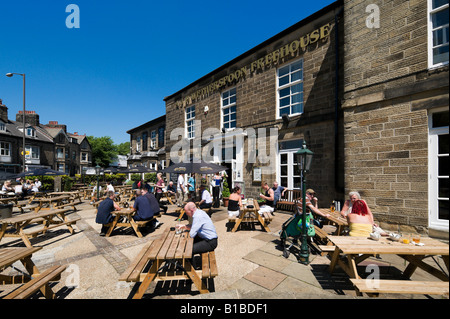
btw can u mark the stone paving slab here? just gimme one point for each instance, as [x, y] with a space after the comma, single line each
[265, 277]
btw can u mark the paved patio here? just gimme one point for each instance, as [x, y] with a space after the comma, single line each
[250, 262]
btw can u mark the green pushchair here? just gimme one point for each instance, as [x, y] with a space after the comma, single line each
[291, 231]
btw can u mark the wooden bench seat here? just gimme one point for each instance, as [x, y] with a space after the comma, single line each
[321, 236]
[289, 200]
[209, 266]
[42, 229]
[401, 287]
[327, 249]
[40, 282]
[136, 267]
[73, 204]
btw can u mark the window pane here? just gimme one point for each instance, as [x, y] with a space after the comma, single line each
[284, 111]
[285, 101]
[285, 92]
[283, 81]
[297, 108]
[283, 71]
[296, 76]
[440, 36]
[233, 91]
[226, 94]
[439, 3]
[226, 111]
[443, 163]
[232, 99]
[443, 144]
[284, 170]
[297, 88]
[284, 181]
[233, 109]
[296, 66]
[443, 187]
[440, 119]
[297, 98]
[233, 116]
[233, 124]
[297, 182]
[443, 209]
[226, 118]
[283, 158]
[225, 102]
[440, 18]
[440, 54]
[226, 125]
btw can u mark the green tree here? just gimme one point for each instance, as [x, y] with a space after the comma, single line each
[123, 148]
[103, 150]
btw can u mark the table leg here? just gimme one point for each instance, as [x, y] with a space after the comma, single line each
[190, 271]
[147, 280]
[112, 226]
[334, 259]
[135, 226]
[3, 230]
[238, 221]
[416, 261]
[263, 222]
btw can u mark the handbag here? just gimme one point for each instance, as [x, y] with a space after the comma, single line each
[311, 231]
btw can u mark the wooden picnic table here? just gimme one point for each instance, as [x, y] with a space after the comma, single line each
[251, 215]
[170, 259]
[19, 226]
[334, 219]
[8, 256]
[74, 195]
[32, 278]
[51, 202]
[357, 249]
[124, 218]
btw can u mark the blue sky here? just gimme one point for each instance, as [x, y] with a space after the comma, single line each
[112, 73]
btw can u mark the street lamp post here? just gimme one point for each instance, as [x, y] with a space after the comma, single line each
[97, 172]
[23, 117]
[305, 164]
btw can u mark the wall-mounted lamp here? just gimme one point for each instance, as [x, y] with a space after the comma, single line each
[206, 109]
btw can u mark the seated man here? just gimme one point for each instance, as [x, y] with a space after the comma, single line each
[142, 206]
[206, 201]
[155, 207]
[202, 230]
[269, 197]
[105, 208]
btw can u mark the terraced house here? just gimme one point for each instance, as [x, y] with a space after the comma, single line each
[46, 145]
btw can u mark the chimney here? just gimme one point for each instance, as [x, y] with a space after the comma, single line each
[30, 117]
[55, 124]
[3, 112]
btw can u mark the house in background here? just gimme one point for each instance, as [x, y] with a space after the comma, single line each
[46, 145]
[147, 144]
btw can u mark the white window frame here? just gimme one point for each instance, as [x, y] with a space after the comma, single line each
[433, 221]
[288, 85]
[189, 118]
[432, 11]
[153, 139]
[2, 126]
[61, 154]
[5, 151]
[138, 144]
[227, 106]
[30, 131]
[34, 152]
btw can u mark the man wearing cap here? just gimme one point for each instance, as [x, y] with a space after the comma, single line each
[312, 203]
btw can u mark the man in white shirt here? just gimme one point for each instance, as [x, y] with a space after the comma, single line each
[180, 190]
[202, 230]
[109, 187]
[206, 201]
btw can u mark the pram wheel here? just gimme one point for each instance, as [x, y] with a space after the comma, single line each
[286, 253]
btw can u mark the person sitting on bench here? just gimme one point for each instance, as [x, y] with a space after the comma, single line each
[206, 201]
[104, 210]
[144, 208]
[202, 230]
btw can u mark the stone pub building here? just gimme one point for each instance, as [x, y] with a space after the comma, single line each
[363, 83]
